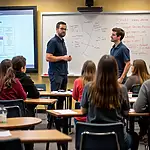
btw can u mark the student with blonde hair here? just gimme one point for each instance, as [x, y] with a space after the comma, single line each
[87, 75]
[139, 74]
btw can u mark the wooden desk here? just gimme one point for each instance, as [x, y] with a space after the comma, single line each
[45, 93]
[40, 101]
[40, 136]
[59, 94]
[65, 117]
[57, 114]
[68, 102]
[20, 122]
[132, 116]
[48, 93]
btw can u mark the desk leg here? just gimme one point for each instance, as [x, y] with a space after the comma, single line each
[70, 107]
[131, 119]
[49, 126]
[65, 130]
[70, 102]
[58, 122]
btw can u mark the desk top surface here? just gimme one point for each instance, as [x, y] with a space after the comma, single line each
[20, 122]
[39, 136]
[66, 113]
[40, 101]
[55, 93]
[78, 113]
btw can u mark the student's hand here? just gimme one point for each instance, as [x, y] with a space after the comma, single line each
[120, 80]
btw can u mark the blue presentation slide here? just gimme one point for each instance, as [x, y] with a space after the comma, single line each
[17, 35]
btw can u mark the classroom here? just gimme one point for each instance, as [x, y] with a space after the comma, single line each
[81, 114]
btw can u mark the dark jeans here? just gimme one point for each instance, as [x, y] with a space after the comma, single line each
[58, 82]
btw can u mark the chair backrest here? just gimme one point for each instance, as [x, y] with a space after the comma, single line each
[118, 128]
[10, 144]
[99, 141]
[13, 111]
[18, 102]
[40, 87]
[77, 105]
[135, 89]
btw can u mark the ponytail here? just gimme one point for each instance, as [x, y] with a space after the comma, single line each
[9, 78]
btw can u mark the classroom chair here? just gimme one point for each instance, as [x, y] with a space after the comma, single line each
[40, 87]
[17, 102]
[135, 90]
[13, 111]
[10, 144]
[118, 128]
[99, 141]
[41, 108]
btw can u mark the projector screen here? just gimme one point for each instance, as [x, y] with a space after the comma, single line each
[18, 34]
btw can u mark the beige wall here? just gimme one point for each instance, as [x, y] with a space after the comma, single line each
[70, 6]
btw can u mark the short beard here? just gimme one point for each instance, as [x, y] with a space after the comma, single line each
[61, 35]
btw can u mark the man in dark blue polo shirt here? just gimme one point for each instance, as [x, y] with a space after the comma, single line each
[57, 57]
[121, 53]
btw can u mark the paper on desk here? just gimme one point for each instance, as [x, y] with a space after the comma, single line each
[5, 133]
[65, 111]
[56, 92]
[132, 110]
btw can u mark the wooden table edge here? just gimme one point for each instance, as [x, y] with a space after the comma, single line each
[40, 103]
[23, 126]
[138, 114]
[56, 114]
[67, 138]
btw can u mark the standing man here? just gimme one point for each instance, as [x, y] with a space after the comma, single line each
[121, 53]
[57, 57]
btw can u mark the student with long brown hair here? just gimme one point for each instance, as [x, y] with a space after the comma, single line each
[10, 87]
[106, 101]
[87, 75]
[139, 74]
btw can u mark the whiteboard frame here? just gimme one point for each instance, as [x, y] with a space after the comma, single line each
[78, 13]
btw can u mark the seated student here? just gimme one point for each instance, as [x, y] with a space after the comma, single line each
[19, 66]
[87, 74]
[106, 101]
[139, 74]
[10, 87]
[141, 105]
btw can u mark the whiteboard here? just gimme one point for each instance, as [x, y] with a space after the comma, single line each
[88, 36]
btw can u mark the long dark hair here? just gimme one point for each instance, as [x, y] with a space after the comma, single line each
[88, 71]
[140, 70]
[7, 76]
[105, 90]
